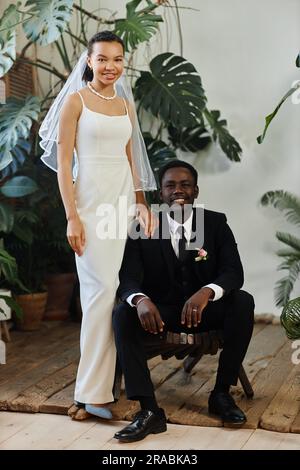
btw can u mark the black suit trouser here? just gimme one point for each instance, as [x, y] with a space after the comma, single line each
[233, 313]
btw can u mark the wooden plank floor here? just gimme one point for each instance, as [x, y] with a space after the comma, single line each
[41, 366]
[24, 431]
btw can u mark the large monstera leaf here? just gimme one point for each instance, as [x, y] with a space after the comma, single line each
[16, 118]
[220, 133]
[49, 19]
[172, 90]
[138, 26]
[8, 38]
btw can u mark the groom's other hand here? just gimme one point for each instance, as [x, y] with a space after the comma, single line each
[192, 310]
[149, 315]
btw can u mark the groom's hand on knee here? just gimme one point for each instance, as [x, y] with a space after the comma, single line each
[150, 317]
[192, 310]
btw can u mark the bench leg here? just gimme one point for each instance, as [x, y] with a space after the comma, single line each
[190, 362]
[247, 387]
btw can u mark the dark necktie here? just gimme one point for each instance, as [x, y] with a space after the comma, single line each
[181, 243]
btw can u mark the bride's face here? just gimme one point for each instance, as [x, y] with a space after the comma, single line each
[107, 61]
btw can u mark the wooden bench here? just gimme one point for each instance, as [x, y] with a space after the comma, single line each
[207, 343]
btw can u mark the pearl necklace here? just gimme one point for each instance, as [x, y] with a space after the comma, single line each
[90, 87]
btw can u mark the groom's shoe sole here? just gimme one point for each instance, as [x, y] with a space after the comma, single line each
[157, 430]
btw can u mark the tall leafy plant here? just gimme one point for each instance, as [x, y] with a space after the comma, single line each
[289, 204]
[171, 91]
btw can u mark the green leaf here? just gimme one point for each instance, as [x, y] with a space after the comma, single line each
[19, 186]
[290, 318]
[285, 286]
[11, 303]
[220, 133]
[8, 266]
[298, 60]
[16, 118]
[289, 240]
[138, 26]
[5, 158]
[6, 218]
[49, 19]
[19, 154]
[285, 202]
[8, 38]
[189, 138]
[271, 116]
[172, 90]
[287, 253]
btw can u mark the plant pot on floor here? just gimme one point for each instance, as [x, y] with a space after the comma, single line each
[60, 288]
[33, 306]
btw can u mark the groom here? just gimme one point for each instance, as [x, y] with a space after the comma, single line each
[166, 286]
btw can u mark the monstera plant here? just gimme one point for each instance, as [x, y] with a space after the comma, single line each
[170, 91]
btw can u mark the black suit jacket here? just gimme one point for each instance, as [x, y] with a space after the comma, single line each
[148, 264]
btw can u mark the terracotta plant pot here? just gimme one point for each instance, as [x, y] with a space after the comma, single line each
[33, 306]
[60, 289]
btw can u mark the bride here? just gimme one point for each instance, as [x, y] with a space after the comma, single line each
[94, 117]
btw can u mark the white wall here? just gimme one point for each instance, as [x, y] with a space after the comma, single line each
[245, 52]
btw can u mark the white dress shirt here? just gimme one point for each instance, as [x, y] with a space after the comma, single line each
[173, 226]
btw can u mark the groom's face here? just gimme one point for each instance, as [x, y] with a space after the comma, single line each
[178, 187]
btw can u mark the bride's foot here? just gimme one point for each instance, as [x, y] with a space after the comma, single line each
[99, 410]
[78, 413]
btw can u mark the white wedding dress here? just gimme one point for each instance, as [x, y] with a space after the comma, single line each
[103, 176]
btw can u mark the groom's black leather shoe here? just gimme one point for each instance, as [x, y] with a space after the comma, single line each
[144, 422]
[223, 405]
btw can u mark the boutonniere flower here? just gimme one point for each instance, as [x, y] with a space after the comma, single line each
[202, 255]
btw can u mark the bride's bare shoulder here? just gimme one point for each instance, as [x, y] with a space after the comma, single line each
[73, 103]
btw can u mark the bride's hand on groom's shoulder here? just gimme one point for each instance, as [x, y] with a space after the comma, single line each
[147, 218]
[150, 317]
[76, 235]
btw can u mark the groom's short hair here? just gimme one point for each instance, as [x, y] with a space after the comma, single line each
[177, 164]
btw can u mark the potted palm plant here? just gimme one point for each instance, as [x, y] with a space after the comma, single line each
[19, 234]
[31, 294]
[289, 204]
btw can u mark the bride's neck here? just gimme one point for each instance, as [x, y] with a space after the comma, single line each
[103, 89]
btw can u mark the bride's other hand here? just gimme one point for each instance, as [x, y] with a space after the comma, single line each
[147, 219]
[76, 235]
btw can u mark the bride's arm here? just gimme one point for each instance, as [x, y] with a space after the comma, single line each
[146, 218]
[69, 116]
